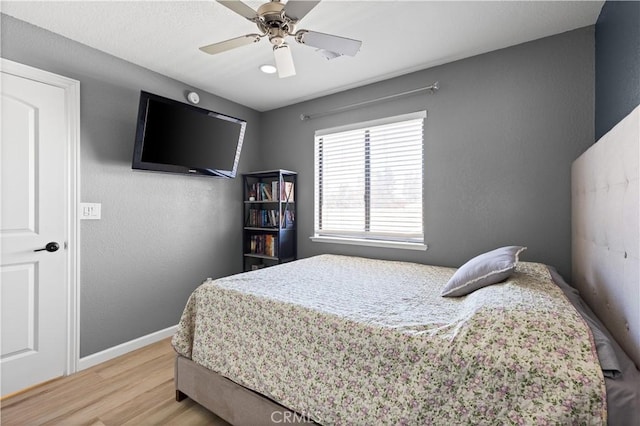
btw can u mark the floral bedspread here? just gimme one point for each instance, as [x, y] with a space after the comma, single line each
[347, 340]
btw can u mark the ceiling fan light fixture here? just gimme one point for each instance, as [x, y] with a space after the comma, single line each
[268, 69]
[284, 60]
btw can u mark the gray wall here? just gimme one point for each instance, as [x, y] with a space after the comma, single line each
[160, 234]
[499, 140]
[617, 63]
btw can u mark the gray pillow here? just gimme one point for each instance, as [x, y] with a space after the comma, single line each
[483, 270]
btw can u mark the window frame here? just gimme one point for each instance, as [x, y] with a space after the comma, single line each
[355, 239]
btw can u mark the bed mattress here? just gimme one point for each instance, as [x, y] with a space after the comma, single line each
[343, 340]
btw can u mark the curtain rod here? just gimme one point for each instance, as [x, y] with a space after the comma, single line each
[432, 88]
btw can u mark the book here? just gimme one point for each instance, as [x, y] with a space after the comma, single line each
[286, 191]
[266, 189]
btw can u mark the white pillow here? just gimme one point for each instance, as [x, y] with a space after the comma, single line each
[483, 270]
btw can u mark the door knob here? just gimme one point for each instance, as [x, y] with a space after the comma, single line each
[51, 247]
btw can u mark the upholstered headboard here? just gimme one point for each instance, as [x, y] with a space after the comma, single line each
[605, 231]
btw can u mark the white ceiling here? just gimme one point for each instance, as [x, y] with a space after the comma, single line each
[398, 37]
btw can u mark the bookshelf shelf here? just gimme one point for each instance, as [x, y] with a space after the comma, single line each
[269, 221]
[261, 202]
[261, 256]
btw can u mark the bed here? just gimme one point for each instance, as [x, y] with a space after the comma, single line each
[309, 341]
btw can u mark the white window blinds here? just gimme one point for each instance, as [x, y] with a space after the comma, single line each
[368, 180]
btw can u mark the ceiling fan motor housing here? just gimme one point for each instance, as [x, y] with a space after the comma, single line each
[271, 12]
[273, 22]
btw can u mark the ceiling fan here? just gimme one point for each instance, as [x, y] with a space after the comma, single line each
[277, 21]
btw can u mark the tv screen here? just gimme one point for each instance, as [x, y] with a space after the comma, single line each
[172, 136]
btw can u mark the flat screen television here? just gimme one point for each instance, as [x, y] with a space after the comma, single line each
[172, 136]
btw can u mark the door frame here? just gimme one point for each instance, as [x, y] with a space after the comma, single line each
[71, 88]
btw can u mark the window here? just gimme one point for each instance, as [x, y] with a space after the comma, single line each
[368, 183]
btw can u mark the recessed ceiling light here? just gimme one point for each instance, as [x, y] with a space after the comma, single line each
[268, 69]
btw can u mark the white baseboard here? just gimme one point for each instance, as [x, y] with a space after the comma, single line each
[132, 345]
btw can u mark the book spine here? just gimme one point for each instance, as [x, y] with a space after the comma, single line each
[274, 189]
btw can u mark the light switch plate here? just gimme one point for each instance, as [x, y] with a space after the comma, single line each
[90, 211]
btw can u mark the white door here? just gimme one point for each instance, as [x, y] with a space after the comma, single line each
[34, 215]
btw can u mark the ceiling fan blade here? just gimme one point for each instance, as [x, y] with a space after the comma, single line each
[332, 43]
[223, 46]
[239, 8]
[284, 61]
[298, 9]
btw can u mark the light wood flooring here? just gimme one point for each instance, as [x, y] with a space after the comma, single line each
[134, 389]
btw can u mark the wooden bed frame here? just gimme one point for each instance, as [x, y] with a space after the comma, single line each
[605, 258]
